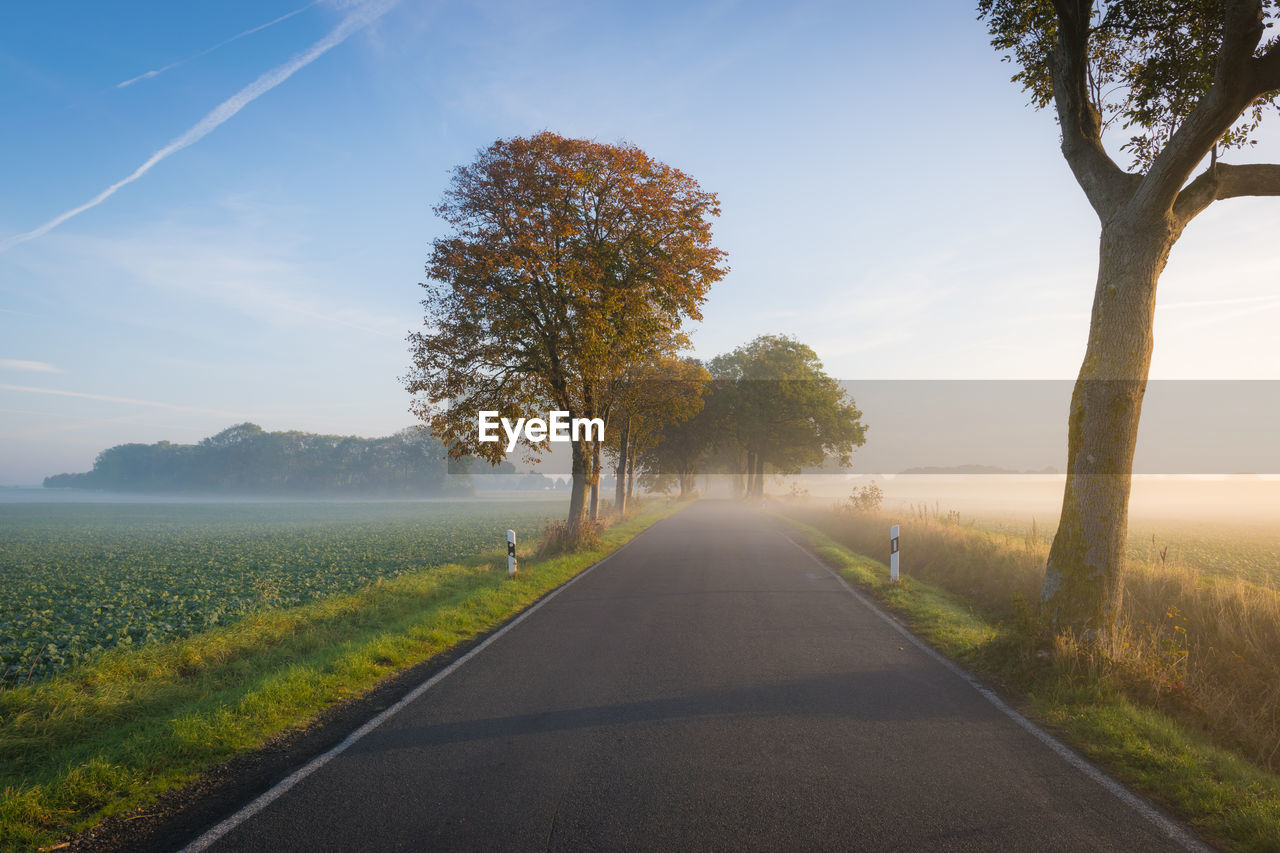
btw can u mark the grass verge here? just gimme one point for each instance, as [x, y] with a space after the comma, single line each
[113, 735]
[1231, 801]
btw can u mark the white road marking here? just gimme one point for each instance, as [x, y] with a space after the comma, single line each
[212, 836]
[1175, 832]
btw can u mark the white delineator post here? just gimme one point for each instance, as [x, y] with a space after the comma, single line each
[511, 552]
[893, 554]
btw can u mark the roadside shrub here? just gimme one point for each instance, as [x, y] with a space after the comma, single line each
[558, 540]
[866, 499]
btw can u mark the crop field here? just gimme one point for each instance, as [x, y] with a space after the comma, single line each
[1247, 550]
[1242, 550]
[77, 579]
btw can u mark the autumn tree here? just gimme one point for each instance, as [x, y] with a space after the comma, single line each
[679, 449]
[1182, 84]
[782, 409]
[654, 396]
[567, 260]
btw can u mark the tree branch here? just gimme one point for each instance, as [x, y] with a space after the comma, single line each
[1232, 91]
[1266, 71]
[1105, 184]
[1224, 181]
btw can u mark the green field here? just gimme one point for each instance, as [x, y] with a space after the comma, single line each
[77, 579]
[108, 737]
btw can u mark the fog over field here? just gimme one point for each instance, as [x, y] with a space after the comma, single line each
[1222, 498]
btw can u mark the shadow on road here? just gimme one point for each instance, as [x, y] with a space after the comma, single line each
[889, 695]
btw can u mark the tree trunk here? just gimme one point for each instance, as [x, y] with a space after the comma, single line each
[595, 481]
[631, 476]
[620, 490]
[1081, 591]
[578, 488]
[759, 475]
[751, 475]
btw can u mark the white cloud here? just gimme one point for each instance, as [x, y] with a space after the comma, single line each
[33, 366]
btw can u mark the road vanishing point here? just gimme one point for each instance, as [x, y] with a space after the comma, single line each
[710, 686]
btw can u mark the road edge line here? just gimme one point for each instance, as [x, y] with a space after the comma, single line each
[217, 831]
[1173, 830]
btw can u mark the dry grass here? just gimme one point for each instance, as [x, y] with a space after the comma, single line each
[1204, 648]
[557, 538]
[1209, 646]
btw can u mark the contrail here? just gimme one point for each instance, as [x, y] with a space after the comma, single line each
[148, 75]
[356, 21]
[19, 364]
[109, 399]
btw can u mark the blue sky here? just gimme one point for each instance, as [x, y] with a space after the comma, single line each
[888, 197]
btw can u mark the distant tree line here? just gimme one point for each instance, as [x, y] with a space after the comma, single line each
[767, 407]
[246, 459]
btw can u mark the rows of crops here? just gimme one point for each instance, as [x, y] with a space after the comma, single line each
[76, 579]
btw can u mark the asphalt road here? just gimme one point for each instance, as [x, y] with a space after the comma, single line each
[709, 687]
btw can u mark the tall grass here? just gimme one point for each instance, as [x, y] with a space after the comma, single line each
[1203, 648]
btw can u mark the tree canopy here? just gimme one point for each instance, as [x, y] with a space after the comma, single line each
[652, 399]
[783, 409]
[569, 261]
[1179, 80]
[769, 405]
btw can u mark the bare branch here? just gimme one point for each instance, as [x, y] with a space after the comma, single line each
[1221, 181]
[1105, 184]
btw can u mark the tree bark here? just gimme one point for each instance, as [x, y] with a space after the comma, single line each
[620, 490]
[578, 488]
[595, 481]
[1081, 591]
[631, 477]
